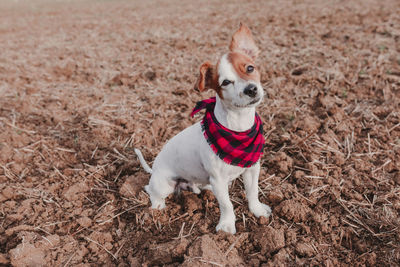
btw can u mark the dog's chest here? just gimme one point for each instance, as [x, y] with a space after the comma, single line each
[217, 167]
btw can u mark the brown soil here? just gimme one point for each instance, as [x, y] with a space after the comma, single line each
[84, 82]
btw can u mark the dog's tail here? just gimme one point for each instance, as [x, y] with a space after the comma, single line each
[145, 166]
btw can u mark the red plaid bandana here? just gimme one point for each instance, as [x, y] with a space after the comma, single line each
[242, 149]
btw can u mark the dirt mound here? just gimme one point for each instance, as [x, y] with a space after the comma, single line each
[83, 84]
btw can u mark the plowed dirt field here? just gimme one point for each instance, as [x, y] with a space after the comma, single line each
[82, 83]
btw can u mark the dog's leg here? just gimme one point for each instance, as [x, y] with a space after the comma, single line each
[160, 186]
[227, 217]
[250, 180]
[195, 188]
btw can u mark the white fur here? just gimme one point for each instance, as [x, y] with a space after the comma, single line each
[190, 157]
[235, 97]
[145, 166]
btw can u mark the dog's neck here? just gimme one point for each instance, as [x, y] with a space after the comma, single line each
[235, 119]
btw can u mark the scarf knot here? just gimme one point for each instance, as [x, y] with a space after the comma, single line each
[242, 149]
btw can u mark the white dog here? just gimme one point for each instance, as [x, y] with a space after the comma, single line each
[227, 143]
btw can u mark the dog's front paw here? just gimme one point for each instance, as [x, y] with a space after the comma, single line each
[260, 209]
[227, 226]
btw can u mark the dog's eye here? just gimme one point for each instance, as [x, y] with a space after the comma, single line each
[250, 69]
[226, 82]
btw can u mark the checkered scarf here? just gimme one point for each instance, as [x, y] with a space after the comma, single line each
[242, 149]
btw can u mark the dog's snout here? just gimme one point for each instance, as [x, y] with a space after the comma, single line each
[250, 90]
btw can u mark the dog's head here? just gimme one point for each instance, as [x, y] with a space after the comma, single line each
[235, 77]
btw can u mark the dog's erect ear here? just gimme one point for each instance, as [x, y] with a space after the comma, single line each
[206, 77]
[242, 41]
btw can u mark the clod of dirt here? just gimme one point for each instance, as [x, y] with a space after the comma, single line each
[263, 221]
[164, 253]
[133, 261]
[205, 252]
[84, 221]
[73, 192]
[396, 178]
[360, 246]
[269, 239]
[26, 253]
[293, 210]
[279, 259]
[18, 228]
[3, 259]
[301, 181]
[291, 236]
[304, 250]
[150, 75]
[283, 161]
[370, 259]
[132, 186]
[308, 124]
[208, 195]
[275, 196]
[7, 193]
[192, 203]
[122, 79]
[299, 70]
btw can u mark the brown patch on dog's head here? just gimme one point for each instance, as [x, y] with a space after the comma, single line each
[208, 79]
[244, 66]
[243, 42]
[243, 53]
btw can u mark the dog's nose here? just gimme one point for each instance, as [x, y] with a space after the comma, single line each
[250, 90]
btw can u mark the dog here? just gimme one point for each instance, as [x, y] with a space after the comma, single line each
[205, 155]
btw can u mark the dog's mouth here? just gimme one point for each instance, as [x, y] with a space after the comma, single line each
[249, 104]
[254, 101]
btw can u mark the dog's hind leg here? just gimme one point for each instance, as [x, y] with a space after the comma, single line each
[160, 186]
